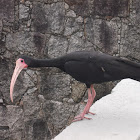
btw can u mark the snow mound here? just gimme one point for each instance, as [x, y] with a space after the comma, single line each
[117, 116]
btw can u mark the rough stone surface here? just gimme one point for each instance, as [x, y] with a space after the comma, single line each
[130, 39]
[112, 8]
[52, 91]
[7, 10]
[57, 41]
[81, 7]
[49, 18]
[103, 34]
[46, 99]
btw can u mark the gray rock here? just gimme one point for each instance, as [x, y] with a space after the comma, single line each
[70, 101]
[80, 7]
[0, 25]
[56, 90]
[49, 17]
[28, 3]
[102, 34]
[66, 6]
[23, 42]
[71, 14]
[32, 90]
[23, 12]
[41, 97]
[65, 100]
[112, 8]
[2, 47]
[1, 101]
[78, 91]
[79, 19]
[55, 16]
[71, 26]
[11, 122]
[7, 10]
[65, 115]
[40, 22]
[58, 42]
[76, 43]
[130, 43]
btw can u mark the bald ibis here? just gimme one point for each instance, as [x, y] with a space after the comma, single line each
[86, 67]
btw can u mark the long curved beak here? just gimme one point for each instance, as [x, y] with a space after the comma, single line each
[19, 66]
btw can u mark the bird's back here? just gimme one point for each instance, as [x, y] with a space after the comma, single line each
[94, 67]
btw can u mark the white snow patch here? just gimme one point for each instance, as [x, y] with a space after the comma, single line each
[117, 116]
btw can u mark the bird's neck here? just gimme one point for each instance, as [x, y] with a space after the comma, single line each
[46, 63]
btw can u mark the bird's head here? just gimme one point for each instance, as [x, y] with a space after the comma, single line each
[21, 63]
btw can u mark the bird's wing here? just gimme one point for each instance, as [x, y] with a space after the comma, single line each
[128, 62]
[116, 68]
[84, 71]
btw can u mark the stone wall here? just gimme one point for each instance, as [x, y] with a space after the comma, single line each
[46, 100]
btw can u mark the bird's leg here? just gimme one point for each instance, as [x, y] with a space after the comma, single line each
[93, 94]
[86, 109]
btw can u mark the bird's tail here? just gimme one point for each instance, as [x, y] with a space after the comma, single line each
[132, 68]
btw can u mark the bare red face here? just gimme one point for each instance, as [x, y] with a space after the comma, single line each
[20, 64]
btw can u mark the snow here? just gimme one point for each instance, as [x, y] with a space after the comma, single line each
[117, 116]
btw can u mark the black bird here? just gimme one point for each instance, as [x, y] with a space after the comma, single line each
[86, 67]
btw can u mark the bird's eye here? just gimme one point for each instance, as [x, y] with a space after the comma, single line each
[21, 60]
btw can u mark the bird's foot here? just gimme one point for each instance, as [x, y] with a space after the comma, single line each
[91, 113]
[80, 117]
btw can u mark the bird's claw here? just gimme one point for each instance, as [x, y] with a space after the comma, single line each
[80, 117]
[91, 113]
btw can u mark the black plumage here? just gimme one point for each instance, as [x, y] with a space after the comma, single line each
[90, 67]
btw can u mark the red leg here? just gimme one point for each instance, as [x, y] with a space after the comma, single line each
[93, 93]
[91, 96]
[82, 115]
